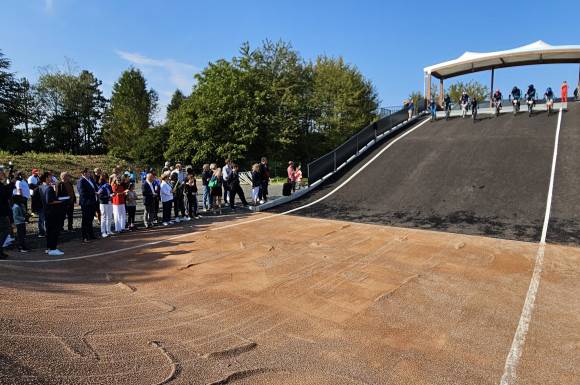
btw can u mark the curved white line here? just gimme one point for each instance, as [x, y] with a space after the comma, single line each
[153, 243]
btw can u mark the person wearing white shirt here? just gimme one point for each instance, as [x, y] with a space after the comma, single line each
[22, 189]
[33, 179]
[166, 198]
[227, 172]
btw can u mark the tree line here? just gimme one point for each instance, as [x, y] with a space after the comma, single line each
[266, 100]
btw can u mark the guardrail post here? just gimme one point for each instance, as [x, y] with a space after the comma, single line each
[357, 145]
[308, 171]
[334, 153]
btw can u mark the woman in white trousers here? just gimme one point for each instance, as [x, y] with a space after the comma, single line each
[119, 194]
[120, 217]
[105, 193]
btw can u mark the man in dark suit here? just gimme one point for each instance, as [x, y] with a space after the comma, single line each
[149, 198]
[53, 214]
[87, 189]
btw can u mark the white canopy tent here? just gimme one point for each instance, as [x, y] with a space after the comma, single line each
[535, 53]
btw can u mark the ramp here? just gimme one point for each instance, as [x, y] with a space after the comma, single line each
[487, 177]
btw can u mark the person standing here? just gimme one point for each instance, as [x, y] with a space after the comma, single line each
[291, 175]
[52, 213]
[166, 198]
[119, 187]
[410, 108]
[215, 186]
[190, 192]
[177, 190]
[66, 192]
[149, 198]
[97, 172]
[206, 175]
[565, 92]
[6, 189]
[34, 179]
[22, 189]
[235, 187]
[157, 186]
[227, 173]
[19, 216]
[256, 183]
[131, 206]
[298, 176]
[105, 192]
[87, 190]
[264, 179]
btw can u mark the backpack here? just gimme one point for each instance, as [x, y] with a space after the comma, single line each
[213, 182]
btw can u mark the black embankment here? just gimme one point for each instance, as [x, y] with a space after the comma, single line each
[488, 177]
[565, 215]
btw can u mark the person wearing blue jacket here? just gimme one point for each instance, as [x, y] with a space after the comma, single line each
[105, 192]
[87, 190]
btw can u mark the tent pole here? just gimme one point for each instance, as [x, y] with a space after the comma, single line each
[491, 90]
[428, 85]
[441, 91]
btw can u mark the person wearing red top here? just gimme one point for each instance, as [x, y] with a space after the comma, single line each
[564, 92]
[119, 187]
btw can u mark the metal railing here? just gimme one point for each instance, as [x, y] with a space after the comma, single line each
[332, 161]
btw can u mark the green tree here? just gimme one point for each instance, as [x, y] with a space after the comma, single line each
[219, 118]
[268, 101]
[11, 138]
[342, 100]
[129, 115]
[91, 108]
[283, 84]
[473, 89]
[71, 106]
[28, 108]
[176, 99]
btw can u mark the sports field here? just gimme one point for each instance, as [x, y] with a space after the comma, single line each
[447, 255]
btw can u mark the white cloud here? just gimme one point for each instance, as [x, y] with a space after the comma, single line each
[180, 74]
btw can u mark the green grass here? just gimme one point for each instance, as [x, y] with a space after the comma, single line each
[59, 162]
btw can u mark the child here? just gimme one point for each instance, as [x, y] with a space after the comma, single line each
[190, 190]
[19, 214]
[256, 183]
[298, 176]
[131, 205]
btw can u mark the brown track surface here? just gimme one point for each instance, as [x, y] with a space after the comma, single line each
[289, 300]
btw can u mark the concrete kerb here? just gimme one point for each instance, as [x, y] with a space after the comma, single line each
[300, 193]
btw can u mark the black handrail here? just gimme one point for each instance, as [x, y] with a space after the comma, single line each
[330, 162]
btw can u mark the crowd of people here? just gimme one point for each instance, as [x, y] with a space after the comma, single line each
[111, 199]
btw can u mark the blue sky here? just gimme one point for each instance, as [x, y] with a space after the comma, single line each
[389, 41]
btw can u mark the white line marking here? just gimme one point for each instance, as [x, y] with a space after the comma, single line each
[153, 243]
[510, 375]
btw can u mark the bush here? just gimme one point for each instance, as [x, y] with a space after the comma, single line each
[59, 162]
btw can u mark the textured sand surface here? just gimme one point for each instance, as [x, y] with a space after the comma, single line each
[288, 300]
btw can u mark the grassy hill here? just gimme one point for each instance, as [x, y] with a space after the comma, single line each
[60, 162]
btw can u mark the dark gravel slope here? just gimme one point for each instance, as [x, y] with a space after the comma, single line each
[488, 177]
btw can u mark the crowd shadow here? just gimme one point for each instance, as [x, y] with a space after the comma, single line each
[135, 257]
